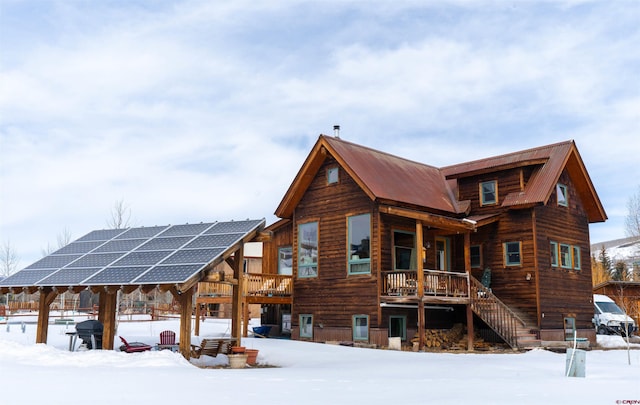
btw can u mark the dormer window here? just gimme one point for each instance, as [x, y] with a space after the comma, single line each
[488, 192]
[333, 175]
[563, 195]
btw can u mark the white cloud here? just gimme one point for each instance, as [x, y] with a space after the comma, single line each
[196, 111]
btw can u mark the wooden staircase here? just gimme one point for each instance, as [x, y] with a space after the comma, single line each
[511, 327]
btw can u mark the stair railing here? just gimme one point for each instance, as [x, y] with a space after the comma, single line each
[497, 315]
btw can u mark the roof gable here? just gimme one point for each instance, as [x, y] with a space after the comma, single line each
[549, 162]
[382, 176]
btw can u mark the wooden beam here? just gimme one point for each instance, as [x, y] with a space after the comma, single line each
[264, 236]
[77, 289]
[185, 299]
[433, 220]
[420, 282]
[128, 289]
[47, 296]
[467, 269]
[146, 289]
[236, 305]
[109, 316]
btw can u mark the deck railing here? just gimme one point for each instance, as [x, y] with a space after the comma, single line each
[269, 285]
[436, 283]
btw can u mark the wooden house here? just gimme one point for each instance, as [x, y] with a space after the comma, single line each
[379, 246]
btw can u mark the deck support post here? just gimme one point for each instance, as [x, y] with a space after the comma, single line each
[420, 283]
[236, 300]
[185, 299]
[197, 320]
[467, 269]
[47, 296]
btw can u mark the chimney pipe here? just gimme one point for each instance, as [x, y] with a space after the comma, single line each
[336, 131]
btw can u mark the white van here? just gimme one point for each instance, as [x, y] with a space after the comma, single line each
[610, 319]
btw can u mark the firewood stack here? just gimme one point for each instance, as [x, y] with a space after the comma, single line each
[442, 338]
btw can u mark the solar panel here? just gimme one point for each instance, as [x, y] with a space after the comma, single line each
[165, 243]
[25, 277]
[116, 275]
[67, 276]
[214, 240]
[96, 260]
[104, 234]
[234, 226]
[144, 255]
[135, 233]
[187, 229]
[53, 261]
[139, 258]
[78, 247]
[120, 245]
[169, 274]
[193, 256]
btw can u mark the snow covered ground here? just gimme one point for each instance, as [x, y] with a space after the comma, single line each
[304, 373]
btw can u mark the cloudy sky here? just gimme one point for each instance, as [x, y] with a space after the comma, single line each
[191, 111]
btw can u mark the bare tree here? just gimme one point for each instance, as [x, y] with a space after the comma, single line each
[62, 240]
[120, 215]
[8, 259]
[632, 221]
[624, 326]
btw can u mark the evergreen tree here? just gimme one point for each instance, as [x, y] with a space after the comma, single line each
[619, 272]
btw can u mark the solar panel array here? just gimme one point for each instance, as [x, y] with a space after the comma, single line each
[154, 255]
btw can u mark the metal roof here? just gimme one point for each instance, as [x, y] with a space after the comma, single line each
[391, 179]
[384, 177]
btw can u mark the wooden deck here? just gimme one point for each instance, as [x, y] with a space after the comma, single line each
[438, 287]
[256, 289]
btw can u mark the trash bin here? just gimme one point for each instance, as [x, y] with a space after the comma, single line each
[575, 363]
[91, 333]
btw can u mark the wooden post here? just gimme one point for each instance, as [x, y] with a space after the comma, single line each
[236, 302]
[102, 299]
[197, 320]
[467, 269]
[186, 309]
[47, 296]
[420, 283]
[108, 316]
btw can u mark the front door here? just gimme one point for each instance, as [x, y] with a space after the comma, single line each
[442, 254]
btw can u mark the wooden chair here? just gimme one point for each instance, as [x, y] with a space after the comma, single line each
[212, 347]
[133, 347]
[167, 340]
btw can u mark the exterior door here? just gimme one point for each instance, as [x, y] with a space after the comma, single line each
[442, 254]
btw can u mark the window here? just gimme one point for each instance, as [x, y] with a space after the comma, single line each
[565, 256]
[398, 326]
[476, 256]
[569, 327]
[563, 197]
[554, 254]
[512, 254]
[308, 250]
[333, 175]
[360, 244]
[306, 326]
[360, 327]
[285, 255]
[488, 192]
[404, 250]
[576, 257]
